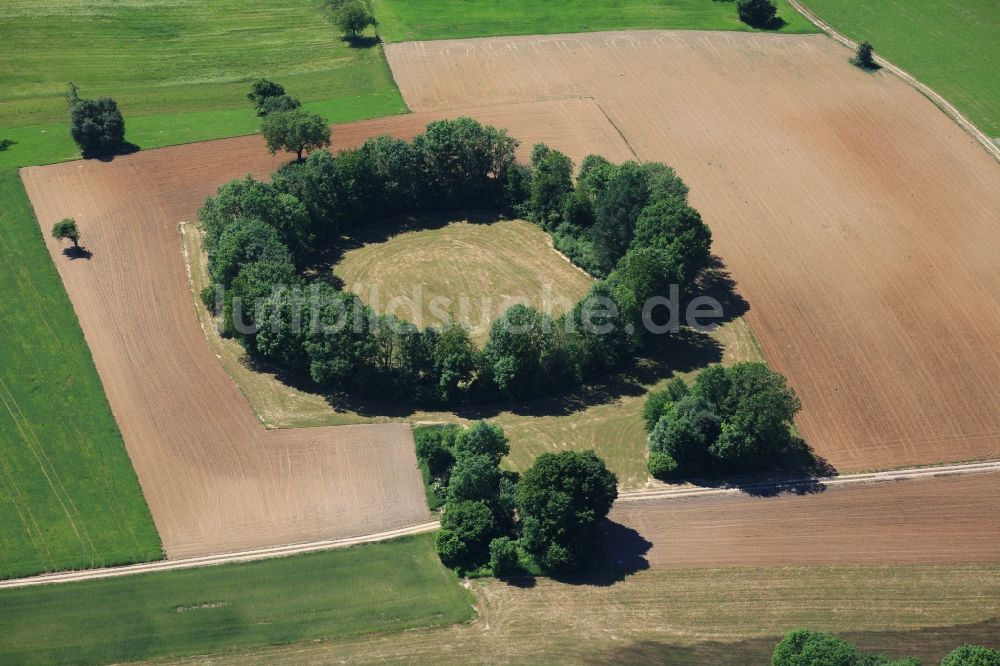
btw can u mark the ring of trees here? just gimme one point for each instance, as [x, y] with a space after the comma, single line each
[629, 225]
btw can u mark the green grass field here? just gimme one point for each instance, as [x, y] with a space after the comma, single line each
[167, 56]
[374, 589]
[68, 495]
[951, 45]
[405, 20]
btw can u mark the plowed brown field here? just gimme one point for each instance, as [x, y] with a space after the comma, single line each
[920, 521]
[215, 480]
[861, 224]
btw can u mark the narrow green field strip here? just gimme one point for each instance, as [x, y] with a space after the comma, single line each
[951, 45]
[407, 20]
[374, 589]
[70, 496]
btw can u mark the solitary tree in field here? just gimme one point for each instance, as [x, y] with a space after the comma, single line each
[295, 131]
[96, 125]
[757, 13]
[354, 17]
[66, 229]
[865, 56]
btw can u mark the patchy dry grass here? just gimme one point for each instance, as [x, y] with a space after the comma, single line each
[467, 271]
[693, 616]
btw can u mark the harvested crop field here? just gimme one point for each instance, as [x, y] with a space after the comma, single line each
[921, 521]
[214, 478]
[857, 219]
[490, 266]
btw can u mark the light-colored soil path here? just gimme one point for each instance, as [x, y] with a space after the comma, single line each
[670, 520]
[858, 220]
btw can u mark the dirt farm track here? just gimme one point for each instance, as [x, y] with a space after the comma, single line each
[860, 223]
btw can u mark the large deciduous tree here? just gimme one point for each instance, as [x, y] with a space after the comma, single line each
[66, 229]
[561, 501]
[295, 131]
[96, 125]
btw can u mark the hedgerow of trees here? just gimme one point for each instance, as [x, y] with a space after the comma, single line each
[802, 647]
[733, 420]
[96, 125]
[630, 225]
[499, 522]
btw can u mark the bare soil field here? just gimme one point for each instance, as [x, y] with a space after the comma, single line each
[490, 266]
[921, 521]
[858, 220]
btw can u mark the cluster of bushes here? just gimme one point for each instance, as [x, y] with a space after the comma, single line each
[732, 420]
[633, 218]
[502, 523]
[803, 647]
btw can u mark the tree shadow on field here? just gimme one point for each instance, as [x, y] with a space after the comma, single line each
[717, 282]
[361, 41]
[385, 230]
[621, 552]
[75, 252]
[797, 469]
[126, 148]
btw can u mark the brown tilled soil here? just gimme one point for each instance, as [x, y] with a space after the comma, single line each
[215, 480]
[861, 224]
[923, 521]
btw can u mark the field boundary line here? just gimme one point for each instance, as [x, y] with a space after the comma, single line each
[214, 560]
[432, 525]
[908, 474]
[949, 109]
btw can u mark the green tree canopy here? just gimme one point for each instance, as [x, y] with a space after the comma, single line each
[561, 500]
[616, 211]
[482, 438]
[972, 655]
[551, 184]
[757, 13]
[295, 131]
[803, 647]
[243, 242]
[513, 354]
[96, 125]
[353, 17]
[467, 527]
[66, 229]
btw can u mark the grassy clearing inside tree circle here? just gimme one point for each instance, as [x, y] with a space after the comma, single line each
[471, 267]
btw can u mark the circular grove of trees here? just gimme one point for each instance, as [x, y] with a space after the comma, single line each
[629, 225]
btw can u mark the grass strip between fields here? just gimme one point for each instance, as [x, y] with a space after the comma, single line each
[412, 20]
[379, 588]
